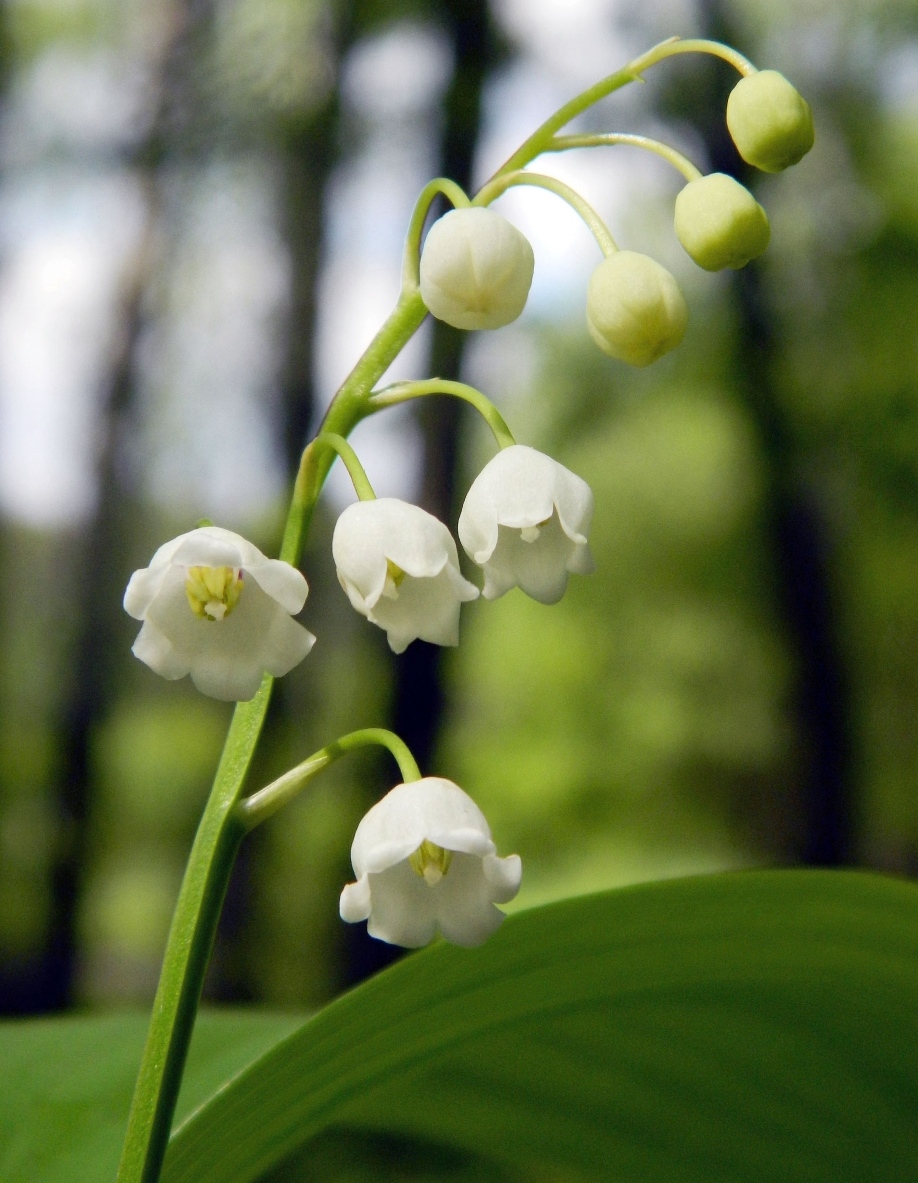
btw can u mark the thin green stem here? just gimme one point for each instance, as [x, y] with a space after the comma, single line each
[601, 139]
[355, 469]
[449, 189]
[220, 831]
[540, 139]
[401, 392]
[594, 222]
[351, 404]
[267, 801]
[717, 49]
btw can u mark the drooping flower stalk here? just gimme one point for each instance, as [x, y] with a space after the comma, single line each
[587, 214]
[400, 392]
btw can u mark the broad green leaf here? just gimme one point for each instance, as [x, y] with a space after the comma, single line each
[66, 1084]
[760, 1027]
[750, 1027]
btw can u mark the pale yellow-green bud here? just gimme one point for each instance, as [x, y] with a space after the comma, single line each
[770, 122]
[476, 269]
[720, 223]
[635, 311]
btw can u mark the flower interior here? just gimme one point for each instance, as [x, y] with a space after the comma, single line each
[431, 862]
[394, 577]
[213, 592]
[531, 533]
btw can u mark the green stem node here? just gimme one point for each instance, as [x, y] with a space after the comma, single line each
[401, 392]
[350, 405]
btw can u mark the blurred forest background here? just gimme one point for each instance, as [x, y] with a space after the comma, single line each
[202, 207]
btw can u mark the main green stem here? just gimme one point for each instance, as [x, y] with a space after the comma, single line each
[194, 924]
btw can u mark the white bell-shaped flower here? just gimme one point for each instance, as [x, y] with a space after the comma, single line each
[213, 606]
[424, 860]
[525, 522]
[400, 569]
[476, 269]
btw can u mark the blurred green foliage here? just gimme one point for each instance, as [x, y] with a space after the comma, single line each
[636, 729]
[642, 728]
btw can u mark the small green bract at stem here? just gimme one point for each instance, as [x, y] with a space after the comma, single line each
[720, 223]
[770, 122]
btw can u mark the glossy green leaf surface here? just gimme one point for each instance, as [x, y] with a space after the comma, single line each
[761, 1026]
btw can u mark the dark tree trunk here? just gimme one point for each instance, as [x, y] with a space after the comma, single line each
[96, 578]
[309, 145]
[798, 532]
[419, 693]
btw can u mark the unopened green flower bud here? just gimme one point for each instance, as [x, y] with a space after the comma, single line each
[635, 311]
[720, 223]
[770, 122]
[476, 269]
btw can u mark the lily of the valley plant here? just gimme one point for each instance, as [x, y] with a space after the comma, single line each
[213, 607]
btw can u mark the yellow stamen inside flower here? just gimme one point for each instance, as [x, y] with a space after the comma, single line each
[394, 577]
[430, 862]
[213, 592]
[531, 533]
